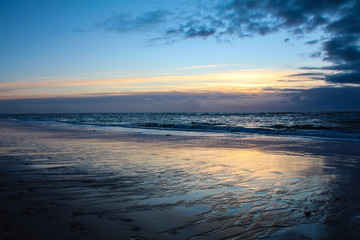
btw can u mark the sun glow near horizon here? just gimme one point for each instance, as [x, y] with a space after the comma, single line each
[244, 80]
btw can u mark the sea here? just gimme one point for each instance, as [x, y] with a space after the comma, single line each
[333, 125]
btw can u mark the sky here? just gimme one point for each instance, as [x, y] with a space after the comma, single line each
[179, 56]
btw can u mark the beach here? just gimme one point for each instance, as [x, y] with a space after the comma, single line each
[180, 120]
[59, 182]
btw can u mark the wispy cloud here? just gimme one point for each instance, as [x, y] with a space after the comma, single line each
[306, 74]
[226, 81]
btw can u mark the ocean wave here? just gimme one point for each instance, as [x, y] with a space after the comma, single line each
[329, 125]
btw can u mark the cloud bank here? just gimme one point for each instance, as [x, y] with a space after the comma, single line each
[338, 20]
[286, 100]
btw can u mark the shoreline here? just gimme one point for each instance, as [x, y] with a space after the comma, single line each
[90, 184]
[339, 128]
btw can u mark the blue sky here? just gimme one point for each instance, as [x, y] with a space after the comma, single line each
[96, 49]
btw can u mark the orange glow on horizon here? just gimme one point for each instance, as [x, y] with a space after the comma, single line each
[248, 81]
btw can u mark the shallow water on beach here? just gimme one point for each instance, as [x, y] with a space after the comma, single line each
[175, 189]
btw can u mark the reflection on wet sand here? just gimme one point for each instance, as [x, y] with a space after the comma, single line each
[168, 188]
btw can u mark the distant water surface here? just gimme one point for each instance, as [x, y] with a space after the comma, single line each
[336, 125]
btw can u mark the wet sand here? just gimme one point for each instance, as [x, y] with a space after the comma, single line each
[66, 183]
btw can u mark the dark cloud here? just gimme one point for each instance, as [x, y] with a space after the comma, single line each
[190, 30]
[315, 54]
[306, 74]
[342, 49]
[297, 17]
[344, 52]
[241, 18]
[326, 99]
[344, 77]
[271, 99]
[339, 20]
[312, 42]
[204, 32]
[348, 23]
